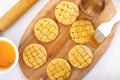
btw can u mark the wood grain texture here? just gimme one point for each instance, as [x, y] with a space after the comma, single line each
[63, 43]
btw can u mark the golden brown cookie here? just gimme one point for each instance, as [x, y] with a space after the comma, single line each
[58, 69]
[81, 30]
[46, 30]
[80, 56]
[66, 12]
[34, 55]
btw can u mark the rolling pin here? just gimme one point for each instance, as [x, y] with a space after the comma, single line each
[14, 13]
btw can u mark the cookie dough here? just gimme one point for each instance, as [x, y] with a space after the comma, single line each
[66, 12]
[46, 30]
[81, 30]
[34, 55]
[80, 56]
[58, 69]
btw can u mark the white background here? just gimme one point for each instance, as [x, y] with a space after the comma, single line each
[4, 8]
[108, 67]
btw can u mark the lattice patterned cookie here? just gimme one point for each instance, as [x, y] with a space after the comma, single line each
[58, 69]
[46, 30]
[81, 30]
[66, 12]
[80, 56]
[34, 55]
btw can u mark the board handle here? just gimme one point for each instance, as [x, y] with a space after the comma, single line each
[14, 13]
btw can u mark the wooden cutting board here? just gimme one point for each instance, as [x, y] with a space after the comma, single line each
[63, 43]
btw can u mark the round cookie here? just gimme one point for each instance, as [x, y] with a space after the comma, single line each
[58, 69]
[66, 12]
[80, 56]
[34, 55]
[81, 30]
[46, 30]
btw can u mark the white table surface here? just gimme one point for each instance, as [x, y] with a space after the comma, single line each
[108, 67]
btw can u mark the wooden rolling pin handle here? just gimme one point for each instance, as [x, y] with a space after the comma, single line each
[16, 12]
